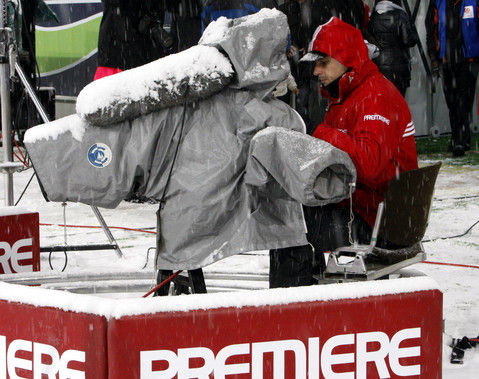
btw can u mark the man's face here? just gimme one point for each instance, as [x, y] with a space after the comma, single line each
[328, 70]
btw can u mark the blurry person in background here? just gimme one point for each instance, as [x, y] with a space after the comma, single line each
[214, 9]
[299, 34]
[185, 23]
[299, 45]
[131, 34]
[297, 11]
[392, 31]
[453, 42]
[350, 11]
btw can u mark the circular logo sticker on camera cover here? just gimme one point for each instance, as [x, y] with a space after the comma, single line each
[99, 155]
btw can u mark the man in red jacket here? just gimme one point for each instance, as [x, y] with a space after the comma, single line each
[367, 118]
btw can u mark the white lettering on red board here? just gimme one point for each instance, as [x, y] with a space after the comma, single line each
[309, 360]
[15, 257]
[9, 361]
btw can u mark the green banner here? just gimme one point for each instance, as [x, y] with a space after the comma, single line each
[63, 46]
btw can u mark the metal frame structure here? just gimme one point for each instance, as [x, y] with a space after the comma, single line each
[8, 67]
[357, 265]
[402, 223]
[6, 43]
[139, 281]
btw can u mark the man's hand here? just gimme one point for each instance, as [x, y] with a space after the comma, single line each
[435, 69]
[292, 51]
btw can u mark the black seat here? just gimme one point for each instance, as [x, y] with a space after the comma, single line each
[400, 225]
[407, 205]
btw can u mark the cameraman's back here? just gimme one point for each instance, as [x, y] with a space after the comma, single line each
[125, 40]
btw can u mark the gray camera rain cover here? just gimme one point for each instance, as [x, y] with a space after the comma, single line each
[310, 170]
[216, 204]
[190, 75]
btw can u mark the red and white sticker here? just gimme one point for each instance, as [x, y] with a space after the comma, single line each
[468, 12]
[19, 243]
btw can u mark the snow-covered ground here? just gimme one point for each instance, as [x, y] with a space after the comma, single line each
[455, 209]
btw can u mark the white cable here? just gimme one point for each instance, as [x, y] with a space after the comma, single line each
[64, 205]
[351, 214]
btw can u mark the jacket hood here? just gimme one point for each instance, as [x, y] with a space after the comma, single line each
[387, 6]
[255, 45]
[342, 42]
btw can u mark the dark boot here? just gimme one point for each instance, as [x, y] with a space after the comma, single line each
[291, 267]
[459, 140]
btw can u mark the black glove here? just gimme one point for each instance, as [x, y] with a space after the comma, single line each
[161, 36]
[155, 29]
[459, 345]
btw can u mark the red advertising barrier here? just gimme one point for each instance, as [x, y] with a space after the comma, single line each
[383, 329]
[39, 341]
[19, 241]
[397, 336]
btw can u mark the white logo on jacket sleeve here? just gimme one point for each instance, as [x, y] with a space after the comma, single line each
[376, 117]
[468, 12]
[410, 130]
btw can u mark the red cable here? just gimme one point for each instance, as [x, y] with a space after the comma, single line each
[152, 232]
[24, 161]
[449, 264]
[162, 283]
[122, 228]
[98, 227]
[20, 159]
[20, 151]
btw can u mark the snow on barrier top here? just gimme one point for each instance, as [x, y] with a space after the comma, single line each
[12, 211]
[111, 308]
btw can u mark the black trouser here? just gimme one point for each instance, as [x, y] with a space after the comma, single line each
[401, 80]
[327, 230]
[317, 106]
[309, 104]
[286, 98]
[459, 89]
[302, 102]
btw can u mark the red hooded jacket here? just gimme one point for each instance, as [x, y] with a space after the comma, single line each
[370, 120]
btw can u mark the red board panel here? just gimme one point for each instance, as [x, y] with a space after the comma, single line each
[19, 243]
[41, 341]
[397, 336]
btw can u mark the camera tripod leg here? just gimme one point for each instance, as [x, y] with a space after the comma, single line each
[106, 230]
[33, 96]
